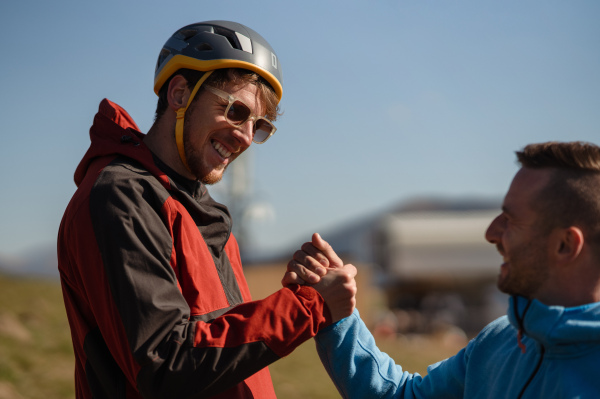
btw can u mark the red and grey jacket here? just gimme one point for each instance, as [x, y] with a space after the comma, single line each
[153, 285]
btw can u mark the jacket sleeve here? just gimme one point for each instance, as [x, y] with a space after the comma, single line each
[360, 370]
[143, 319]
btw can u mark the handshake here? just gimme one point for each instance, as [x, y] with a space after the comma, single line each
[316, 264]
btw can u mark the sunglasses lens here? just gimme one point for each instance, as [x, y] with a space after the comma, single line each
[238, 113]
[263, 129]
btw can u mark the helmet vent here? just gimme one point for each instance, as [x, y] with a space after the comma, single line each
[230, 36]
[187, 34]
[204, 47]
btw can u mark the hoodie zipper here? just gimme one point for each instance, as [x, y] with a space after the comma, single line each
[537, 368]
[522, 346]
[520, 322]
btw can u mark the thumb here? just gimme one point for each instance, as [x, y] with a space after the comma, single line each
[327, 250]
[318, 241]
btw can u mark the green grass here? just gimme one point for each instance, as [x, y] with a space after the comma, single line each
[36, 356]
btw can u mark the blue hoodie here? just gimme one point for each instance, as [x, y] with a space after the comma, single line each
[556, 356]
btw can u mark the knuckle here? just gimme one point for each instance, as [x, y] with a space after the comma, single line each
[310, 261]
[296, 267]
[290, 265]
[307, 246]
[301, 271]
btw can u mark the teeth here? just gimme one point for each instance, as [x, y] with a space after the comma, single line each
[221, 150]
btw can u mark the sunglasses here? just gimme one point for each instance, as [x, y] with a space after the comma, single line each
[237, 113]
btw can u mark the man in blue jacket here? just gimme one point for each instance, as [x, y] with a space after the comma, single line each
[548, 345]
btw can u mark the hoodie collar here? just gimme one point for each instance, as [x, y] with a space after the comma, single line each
[555, 326]
[114, 133]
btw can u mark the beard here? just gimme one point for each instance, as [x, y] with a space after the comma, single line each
[204, 173]
[197, 165]
[527, 270]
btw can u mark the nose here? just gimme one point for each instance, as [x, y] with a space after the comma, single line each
[494, 230]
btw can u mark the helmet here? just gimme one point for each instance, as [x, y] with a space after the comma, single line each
[210, 45]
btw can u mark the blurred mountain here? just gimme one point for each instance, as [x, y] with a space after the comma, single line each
[38, 261]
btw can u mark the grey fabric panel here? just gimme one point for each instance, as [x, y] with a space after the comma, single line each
[207, 318]
[217, 369]
[135, 246]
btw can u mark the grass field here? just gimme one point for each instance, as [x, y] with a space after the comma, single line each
[36, 357]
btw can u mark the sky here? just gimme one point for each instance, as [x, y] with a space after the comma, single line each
[384, 101]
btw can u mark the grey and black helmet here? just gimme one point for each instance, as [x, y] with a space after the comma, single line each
[205, 46]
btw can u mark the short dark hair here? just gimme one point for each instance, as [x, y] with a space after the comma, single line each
[572, 195]
[578, 156]
[219, 78]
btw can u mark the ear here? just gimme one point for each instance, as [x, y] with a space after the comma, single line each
[178, 93]
[569, 244]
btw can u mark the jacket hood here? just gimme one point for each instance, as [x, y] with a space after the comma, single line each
[114, 133]
[556, 326]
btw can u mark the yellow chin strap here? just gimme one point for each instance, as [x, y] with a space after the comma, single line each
[180, 118]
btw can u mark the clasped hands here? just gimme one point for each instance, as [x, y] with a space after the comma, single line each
[316, 264]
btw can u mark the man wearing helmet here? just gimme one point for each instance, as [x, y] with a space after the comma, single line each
[151, 275]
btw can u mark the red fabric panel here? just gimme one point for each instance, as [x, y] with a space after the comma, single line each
[201, 297]
[283, 321]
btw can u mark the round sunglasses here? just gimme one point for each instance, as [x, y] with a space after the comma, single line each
[237, 113]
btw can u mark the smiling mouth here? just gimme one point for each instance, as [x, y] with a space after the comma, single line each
[221, 150]
[500, 250]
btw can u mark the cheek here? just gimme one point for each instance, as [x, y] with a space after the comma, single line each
[198, 136]
[510, 238]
